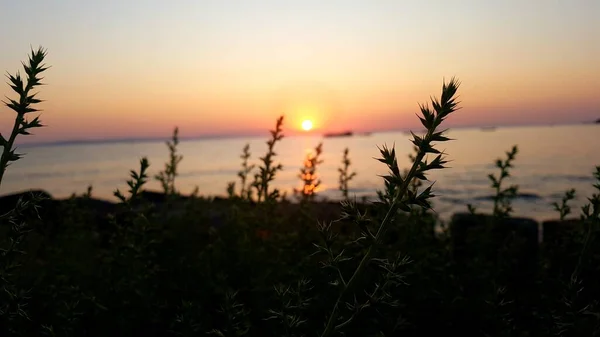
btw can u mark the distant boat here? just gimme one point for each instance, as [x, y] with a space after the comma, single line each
[338, 134]
[598, 121]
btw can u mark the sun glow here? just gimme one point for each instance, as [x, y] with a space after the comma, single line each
[307, 125]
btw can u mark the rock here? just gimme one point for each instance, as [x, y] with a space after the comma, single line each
[486, 243]
[562, 244]
[524, 196]
[465, 226]
[556, 231]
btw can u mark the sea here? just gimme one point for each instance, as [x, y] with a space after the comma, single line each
[550, 161]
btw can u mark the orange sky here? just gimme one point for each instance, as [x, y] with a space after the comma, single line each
[137, 69]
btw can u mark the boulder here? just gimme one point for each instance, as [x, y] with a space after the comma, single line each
[467, 227]
[562, 245]
[496, 246]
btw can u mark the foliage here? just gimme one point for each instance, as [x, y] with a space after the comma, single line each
[564, 209]
[345, 175]
[268, 170]
[23, 106]
[229, 267]
[135, 183]
[167, 176]
[580, 314]
[243, 174]
[13, 298]
[503, 197]
[402, 198]
[308, 175]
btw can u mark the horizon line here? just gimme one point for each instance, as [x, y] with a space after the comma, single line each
[256, 135]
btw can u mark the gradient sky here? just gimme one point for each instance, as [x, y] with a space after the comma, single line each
[138, 68]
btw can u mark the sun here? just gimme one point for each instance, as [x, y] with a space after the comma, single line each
[307, 125]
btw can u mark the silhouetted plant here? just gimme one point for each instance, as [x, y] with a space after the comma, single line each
[576, 316]
[235, 315]
[132, 259]
[591, 220]
[22, 106]
[564, 209]
[501, 309]
[85, 195]
[158, 275]
[415, 183]
[345, 175]
[591, 211]
[187, 322]
[402, 197]
[386, 197]
[268, 169]
[472, 209]
[579, 315]
[503, 197]
[88, 192]
[243, 174]
[137, 181]
[13, 299]
[231, 189]
[308, 174]
[195, 192]
[294, 303]
[167, 176]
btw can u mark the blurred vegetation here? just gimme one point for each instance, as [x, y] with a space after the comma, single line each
[254, 264]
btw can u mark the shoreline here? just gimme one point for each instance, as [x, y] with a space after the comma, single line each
[328, 210]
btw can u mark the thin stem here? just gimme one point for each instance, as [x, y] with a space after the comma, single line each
[381, 231]
[9, 145]
[22, 107]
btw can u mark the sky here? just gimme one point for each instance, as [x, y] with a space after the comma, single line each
[137, 69]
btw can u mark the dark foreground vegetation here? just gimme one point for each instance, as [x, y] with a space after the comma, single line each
[255, 264]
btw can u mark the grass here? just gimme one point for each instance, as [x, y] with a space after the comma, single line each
[254, 264]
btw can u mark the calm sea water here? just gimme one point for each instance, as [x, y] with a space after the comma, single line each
[550, 161]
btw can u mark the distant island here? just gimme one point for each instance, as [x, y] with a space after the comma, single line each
[338, 134]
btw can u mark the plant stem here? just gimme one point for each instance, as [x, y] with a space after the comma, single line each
[380, 232]
[8, 147]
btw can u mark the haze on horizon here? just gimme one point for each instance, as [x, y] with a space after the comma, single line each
[135, 69]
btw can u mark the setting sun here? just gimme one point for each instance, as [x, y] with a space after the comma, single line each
[307, 125]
